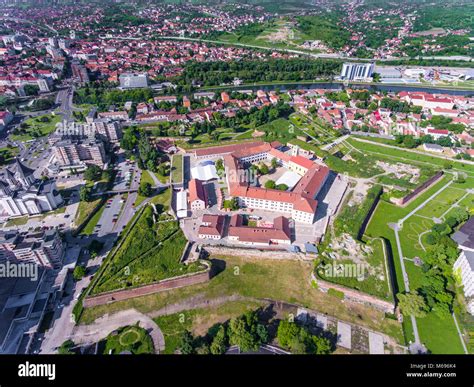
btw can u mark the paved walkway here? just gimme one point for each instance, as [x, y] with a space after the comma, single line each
[414, 151]
[397, 227]
[460, 335]
[100, 328]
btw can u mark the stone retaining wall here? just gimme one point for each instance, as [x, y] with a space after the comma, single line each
[167, 284]
[403, 201]
[355, 296]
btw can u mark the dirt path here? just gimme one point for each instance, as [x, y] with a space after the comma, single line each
[195, 302]
[100, 328]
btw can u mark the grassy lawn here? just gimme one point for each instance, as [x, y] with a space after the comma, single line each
[402, 154]
[279, 130]
[35, 127]
[131, 339]
[163, 198]
[447, 342]
[21, 221]
[150, 253]
[84, 209]
[245, 135]
[199, 321]
[177, 169]
[440, 336]
[7, 154]
[144, 178]
[284, 280]
[90, 226]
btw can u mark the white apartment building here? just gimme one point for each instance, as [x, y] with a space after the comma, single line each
[464, 268]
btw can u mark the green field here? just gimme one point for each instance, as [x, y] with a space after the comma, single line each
[84, 210]
[36, 127]
[290, 33]
[90, 226]
[283, 280]
[439, 335]
[177, 169]
[144, 178]
[150, 253]
[405, 155]
[372, 283]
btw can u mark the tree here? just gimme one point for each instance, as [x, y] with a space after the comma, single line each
[412, 304]
[85, 194]
[246, 332]
[274, 163]
[186, 345]
[232, 204]
[79, 272]
[145, 189]
[431, 239]
[163, 169]
[95, 248]
[66, 348]
[282, 187]
[299, 340]
[93, 173]
[410, 142]
[270, 184]
[219, 343]
[286, 332]
[263, 169]
[31, 89]
[129, 139]
[460, 214]
[106, 175]
[220, 165]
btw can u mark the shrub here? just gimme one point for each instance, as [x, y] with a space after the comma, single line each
[336, 293]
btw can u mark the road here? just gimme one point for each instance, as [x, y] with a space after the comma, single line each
[63, 323]
[64, 100]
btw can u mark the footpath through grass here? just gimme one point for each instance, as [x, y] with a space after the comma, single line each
[282, 280]
[439, 335]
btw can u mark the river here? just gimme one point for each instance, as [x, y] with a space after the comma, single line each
[339, 85]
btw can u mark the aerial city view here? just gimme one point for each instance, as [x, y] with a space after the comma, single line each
[237, 177]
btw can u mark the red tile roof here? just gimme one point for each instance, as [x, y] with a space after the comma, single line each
[212, 225]
[302, 161]
[279, 231]
[216, 150]
[196, 191]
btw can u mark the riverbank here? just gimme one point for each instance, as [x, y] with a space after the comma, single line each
[325, 84]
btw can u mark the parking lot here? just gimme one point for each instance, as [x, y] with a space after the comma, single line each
[124, 179]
